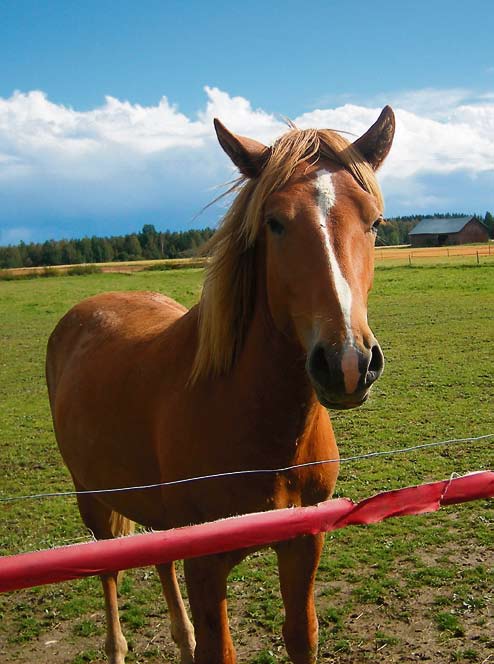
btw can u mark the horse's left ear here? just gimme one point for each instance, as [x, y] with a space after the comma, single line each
[375, 144]
[248, 155]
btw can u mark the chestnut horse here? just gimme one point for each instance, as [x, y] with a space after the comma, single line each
[143, 391]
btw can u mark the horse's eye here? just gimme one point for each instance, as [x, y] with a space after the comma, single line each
[376, 224]
[275, 226]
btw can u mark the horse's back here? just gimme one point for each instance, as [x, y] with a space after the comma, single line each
[108, 321]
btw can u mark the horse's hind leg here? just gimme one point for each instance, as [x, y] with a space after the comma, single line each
[297, 564]
[99, 519]
[181, 627]
[115, 644]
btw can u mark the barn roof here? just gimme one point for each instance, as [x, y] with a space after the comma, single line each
[434, 225]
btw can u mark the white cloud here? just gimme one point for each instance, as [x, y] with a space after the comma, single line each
[430, 102]
[422, 144]
[448, 136]
[237, 113]
[129, 162]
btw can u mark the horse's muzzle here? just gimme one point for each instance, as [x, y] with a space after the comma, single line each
[342, 378]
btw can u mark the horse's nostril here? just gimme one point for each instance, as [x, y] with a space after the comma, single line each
[377, 360]
[376, 365]
[318, 363]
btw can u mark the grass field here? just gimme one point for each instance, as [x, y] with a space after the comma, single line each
[411, 589]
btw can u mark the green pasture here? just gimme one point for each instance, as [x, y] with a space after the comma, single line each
[409, 589]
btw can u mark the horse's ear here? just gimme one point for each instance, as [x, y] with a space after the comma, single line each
[249, 156]
[375, 144]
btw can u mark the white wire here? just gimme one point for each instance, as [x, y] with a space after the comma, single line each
[237, 473]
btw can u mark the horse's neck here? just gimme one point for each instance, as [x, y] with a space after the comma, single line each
[271, 368]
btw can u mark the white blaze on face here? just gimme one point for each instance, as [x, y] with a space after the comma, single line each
[326, 198]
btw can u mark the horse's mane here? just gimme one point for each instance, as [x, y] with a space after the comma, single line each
[227, 301]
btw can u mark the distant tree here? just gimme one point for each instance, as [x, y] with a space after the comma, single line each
[86, 249]
[150, 244]
[132, 247]
[489, 222]
[23, 252]
[51, 253]
[70, 255]
[108, 253]
[33, 255]
[10, 257]
[97, 249]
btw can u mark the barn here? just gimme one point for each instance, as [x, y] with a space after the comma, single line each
[437, 231]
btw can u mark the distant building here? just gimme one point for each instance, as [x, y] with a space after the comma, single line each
[437, 232]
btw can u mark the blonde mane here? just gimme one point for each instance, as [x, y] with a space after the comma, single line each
[227, 301]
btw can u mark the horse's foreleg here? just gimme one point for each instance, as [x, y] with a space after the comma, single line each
[206, 584]
[115, 645]
[181, 627]
[297, 563]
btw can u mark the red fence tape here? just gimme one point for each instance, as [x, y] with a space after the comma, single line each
[252, 530]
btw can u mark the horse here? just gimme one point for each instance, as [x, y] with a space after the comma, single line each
[144, 391]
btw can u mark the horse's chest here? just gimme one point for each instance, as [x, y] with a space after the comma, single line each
[295, 489]
[242, 454]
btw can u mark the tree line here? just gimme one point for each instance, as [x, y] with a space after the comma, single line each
[148, 244]
[151, 244]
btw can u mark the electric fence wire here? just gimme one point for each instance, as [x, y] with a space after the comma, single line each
[261, 471]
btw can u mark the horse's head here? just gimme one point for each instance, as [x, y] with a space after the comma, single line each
[320, 206]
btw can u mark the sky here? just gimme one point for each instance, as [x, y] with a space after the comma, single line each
[106, 108]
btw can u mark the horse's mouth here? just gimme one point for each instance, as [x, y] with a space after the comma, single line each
[347, 402]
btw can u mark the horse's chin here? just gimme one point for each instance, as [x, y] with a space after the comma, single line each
[346, 402]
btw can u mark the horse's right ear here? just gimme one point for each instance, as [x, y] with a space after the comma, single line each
[248, 155]
[375, 144]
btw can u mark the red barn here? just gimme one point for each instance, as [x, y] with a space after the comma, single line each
[437, 232]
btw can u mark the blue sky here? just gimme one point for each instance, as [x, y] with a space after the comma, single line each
[88, 144]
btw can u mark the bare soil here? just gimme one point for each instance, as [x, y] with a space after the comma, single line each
[398, 628]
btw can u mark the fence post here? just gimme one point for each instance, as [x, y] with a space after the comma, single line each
[478, 259]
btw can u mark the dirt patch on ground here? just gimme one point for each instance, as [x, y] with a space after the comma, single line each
[402, 625]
